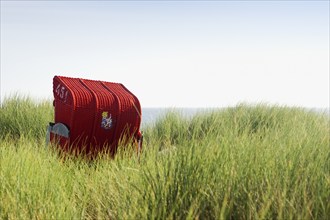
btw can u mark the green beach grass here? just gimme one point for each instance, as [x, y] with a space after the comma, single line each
[244, 162]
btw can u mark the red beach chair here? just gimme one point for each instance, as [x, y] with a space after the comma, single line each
[91, 116]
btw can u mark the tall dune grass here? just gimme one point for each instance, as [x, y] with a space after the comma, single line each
[246, 162]
[21, 115]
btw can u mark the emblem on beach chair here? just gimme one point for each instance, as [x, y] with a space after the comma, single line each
[106, 122]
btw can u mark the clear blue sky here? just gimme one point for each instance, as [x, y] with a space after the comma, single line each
[169, 53]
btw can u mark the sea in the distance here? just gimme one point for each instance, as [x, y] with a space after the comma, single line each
[151, 115]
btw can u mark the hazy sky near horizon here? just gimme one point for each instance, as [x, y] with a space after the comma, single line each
[172, 53]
